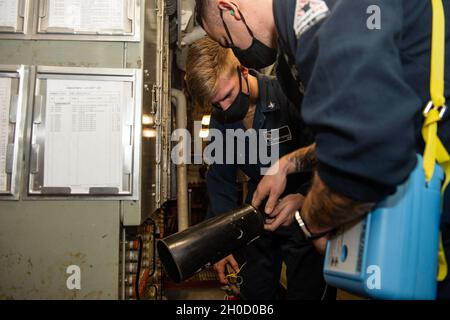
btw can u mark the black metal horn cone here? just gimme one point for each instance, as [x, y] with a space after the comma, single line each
[187, 252]
[169, 263]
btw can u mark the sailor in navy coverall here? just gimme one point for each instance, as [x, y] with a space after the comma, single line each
[263, 258]
[362, 89]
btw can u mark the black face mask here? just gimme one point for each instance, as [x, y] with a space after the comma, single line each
[237, 110]
[258, 55]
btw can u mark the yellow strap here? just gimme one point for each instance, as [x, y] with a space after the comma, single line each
[429, 134]
[434, 149]
[436, 152]
[437, 54]
[443, 269]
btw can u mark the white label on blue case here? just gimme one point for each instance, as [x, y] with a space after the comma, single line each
[346, 249]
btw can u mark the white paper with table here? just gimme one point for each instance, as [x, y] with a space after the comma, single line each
[8, 13]
[5, 101]
[83, 134]
[93, 15]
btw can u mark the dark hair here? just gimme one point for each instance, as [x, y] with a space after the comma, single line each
[200, 8]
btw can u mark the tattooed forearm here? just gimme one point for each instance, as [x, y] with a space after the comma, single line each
[324, 210]
[303, 160]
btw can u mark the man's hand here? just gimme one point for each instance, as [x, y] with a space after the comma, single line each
[284, 215]
[272, 185]
[324, 209]
[274, 182]
[221, 266]
[284, 212]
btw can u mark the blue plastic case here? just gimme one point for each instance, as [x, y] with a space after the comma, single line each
[393, 252]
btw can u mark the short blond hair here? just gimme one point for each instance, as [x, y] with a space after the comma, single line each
[206, 62]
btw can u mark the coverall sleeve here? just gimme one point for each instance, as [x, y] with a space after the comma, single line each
[359, 104]
[221, 184]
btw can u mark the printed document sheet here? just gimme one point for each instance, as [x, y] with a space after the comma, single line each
[83, 134]
[8, 13]
[82, 15]
[5, 100]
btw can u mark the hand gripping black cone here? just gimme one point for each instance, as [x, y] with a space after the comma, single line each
[187, 252]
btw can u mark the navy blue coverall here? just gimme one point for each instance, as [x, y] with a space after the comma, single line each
[264, 257]
[362, 90]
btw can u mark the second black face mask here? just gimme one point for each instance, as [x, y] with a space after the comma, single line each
[258, 55]
[237, 110]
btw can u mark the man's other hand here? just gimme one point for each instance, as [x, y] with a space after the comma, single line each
[272, 185]
[284, 212]
[220, 268]
[274, 182]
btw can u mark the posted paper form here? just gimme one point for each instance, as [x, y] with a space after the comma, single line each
[83, 134]
[92, 15]
[8, 13]
[5, 101]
